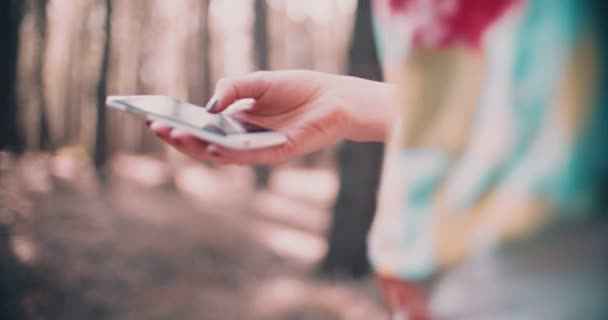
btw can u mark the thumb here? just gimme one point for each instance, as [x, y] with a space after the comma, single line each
[229, 90]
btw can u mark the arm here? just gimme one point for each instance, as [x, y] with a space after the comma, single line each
[313, 109]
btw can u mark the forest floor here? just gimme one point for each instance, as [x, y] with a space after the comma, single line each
[174, 242]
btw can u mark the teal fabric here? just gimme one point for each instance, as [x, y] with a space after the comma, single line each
[540, 160]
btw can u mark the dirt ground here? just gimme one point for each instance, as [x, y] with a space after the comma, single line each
[174, 241]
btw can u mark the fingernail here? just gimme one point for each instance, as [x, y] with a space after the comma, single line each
[158, 126]
[213, 151]
[211, 104]
[177, 133]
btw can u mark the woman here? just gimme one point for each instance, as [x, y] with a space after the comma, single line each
[490, 200]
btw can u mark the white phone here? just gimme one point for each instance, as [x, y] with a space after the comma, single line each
[218, 129]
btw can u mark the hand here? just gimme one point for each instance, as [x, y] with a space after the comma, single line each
[313, 109]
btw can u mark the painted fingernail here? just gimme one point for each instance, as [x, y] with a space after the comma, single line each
[211, 104]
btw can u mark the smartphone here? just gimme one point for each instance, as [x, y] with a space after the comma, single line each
[219, 129]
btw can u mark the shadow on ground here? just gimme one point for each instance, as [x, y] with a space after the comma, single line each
[172, 249]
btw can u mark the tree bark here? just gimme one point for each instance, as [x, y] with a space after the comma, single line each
[44, 140]
[199, 51]
[206, 50]
[262, 57]
[359, 171]
[11, 13]
[261, 35]
[100, 152]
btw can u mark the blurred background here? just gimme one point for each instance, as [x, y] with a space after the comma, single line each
[99, 220]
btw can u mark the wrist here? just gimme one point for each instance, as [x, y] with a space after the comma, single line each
[372, 112]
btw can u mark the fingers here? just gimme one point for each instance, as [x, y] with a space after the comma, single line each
[189, 145]
[229, 90]
[185, 143]
[274, 155]
[201, 150]
[162, 130]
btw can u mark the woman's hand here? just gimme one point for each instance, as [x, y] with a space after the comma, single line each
[313, 109]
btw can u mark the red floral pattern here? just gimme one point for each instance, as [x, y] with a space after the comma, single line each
[447, 22]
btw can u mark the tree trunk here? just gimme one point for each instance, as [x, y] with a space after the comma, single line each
[261, 35]
[13, 282]
[262, 57]
[206, 50]
[199, 51]
[11, 15]
[44, 140]
[359, 171]
[100, 153]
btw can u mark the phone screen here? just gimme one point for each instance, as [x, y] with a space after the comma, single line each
[187, 114]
